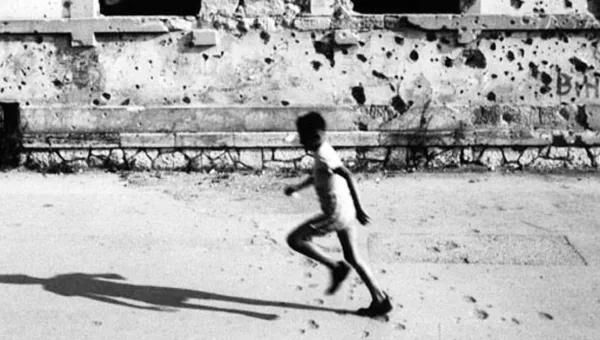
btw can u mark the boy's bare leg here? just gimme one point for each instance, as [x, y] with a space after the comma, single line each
[348, 240]
[299, 240]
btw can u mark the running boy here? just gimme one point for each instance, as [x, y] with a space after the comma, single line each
[340, 204]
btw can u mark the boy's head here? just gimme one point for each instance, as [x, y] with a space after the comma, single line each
[311, 128]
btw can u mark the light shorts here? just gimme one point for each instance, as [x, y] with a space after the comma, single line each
[324, 224]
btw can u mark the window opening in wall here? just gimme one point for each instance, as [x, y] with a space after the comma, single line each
[10, 134]
[407, 7]
[145, 7]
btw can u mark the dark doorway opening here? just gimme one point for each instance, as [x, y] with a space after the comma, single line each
[407, 7]
[144, 7]
[10, 134]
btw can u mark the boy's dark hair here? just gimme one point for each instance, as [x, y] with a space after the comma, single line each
[311, 122]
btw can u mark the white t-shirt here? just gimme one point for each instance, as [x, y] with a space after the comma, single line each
[332, 189]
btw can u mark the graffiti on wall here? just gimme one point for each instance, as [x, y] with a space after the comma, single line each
[580, 85]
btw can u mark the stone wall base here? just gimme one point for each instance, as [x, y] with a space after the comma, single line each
[547, 158]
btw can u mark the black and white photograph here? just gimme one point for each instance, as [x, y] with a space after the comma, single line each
[300, 169]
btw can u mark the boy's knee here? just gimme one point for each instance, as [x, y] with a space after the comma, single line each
[293, 241]
[351, 259]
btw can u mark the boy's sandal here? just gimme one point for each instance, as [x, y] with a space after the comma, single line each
[377, 309]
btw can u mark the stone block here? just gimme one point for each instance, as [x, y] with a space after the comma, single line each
[251, 158]
[492, 158]
[511, 155]
[446, 158]
[171, 161]
[467, 155]
[144, 140]
[44, 160]
[140, 162]
[579, 158]
[545, 164]
[373, 154]
[398, 158]
[72, 155]
[77, 165]
[263, 8]
[199, 163]
[558, 152]
[306, 23]
[528, 156]
[223, 7]
[117, 158]
[204, 37]
[322, 7]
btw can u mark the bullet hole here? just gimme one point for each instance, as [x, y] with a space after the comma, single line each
[448, 62]
[361, 57]
[533, 68]
[389, 54]
[326, 48]
[285, 103]
[187, 100]
[494, 76]
[507, 117]
[265, 37]
[126, 102]
[316, 65]
[579, 64]
[137, 86]
[344, 51]
[493, 46]
[582, 118]
[431, 36]
[491, 96]
[510, 56]
[546, 78]
[59, 84]
[528, 41]
[545, 89]
[265, 98]
[379, 75]
[205, 56]
[521, 52]
[399, 105]
[106, 96]
[414, 55]
[399, 40]
[96, 102]
[358, 92]
[269, 61]
[474, 58]
[568, 4]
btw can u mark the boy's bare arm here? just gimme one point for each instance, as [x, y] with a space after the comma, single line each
[361, 215]
[293, 188]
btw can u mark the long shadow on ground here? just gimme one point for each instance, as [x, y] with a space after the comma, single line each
[96, 287]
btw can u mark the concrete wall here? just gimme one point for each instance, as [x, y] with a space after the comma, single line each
[516, 84]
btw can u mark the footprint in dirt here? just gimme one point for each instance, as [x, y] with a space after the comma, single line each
[400, 327]
[545, 316]
[470, 299]
[313, 324]
[480, 314]
[515, 321]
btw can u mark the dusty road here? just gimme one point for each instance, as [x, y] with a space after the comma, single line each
[178, 256]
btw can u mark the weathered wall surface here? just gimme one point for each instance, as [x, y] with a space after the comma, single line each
[519, 88]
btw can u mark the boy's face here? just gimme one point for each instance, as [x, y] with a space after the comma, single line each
[311, 140]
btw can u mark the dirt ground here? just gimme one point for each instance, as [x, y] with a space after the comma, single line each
[203, 256]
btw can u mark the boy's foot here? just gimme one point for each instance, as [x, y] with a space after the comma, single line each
[377, 308]
[338, 275]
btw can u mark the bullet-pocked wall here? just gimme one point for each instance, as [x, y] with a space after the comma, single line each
[217, 84]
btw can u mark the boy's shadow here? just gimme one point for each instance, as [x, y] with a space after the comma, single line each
[95, 287]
